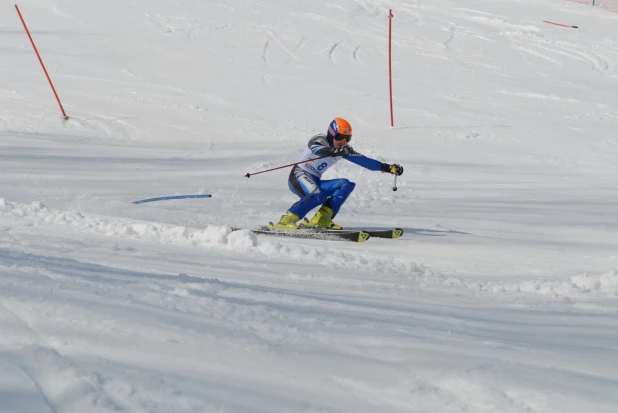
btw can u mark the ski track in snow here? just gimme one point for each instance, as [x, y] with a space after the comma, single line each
[56, 382]
[221, 237]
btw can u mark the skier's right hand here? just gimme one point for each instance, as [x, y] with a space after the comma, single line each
[342, 151]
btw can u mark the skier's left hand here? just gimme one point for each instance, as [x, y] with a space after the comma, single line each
[344, 150]
[394, 169]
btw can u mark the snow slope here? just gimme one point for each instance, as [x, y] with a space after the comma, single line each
[500, 297]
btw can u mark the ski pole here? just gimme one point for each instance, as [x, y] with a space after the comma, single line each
[395, 183]
[279, 167]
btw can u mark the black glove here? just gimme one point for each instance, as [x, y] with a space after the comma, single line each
[392, 169]
[342, 151]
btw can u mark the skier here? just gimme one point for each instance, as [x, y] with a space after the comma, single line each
[306, 179]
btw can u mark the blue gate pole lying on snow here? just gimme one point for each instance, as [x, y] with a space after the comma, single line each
[165, 198]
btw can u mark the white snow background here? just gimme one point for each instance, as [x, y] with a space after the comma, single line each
[502, 295]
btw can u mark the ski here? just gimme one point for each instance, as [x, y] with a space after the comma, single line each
[387, 233]
[390, 233]
[342, 235]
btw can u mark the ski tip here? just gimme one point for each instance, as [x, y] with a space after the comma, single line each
[397, 232]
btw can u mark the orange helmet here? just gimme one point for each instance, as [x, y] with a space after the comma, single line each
[340, 129]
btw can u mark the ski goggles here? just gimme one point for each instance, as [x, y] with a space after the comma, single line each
[341, 137]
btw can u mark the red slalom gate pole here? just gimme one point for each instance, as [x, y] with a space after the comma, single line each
[559, 24]
[390, 75]
[279, 167]
[64, 115]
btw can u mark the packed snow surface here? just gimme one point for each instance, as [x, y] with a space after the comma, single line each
[501, 296]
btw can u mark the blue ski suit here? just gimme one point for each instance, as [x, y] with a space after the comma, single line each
[306, 179]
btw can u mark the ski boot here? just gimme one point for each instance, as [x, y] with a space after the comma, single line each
[322, 219]
[286, 223]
